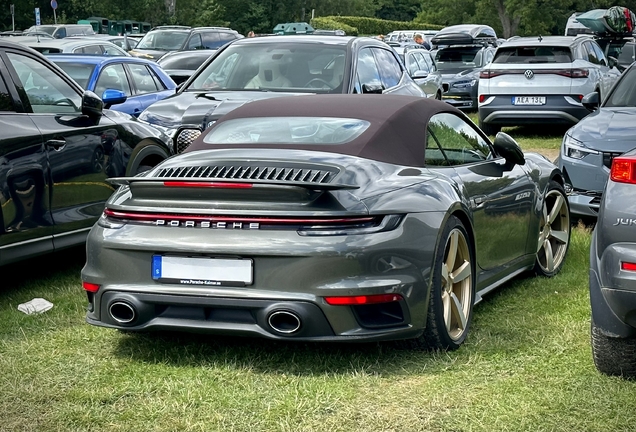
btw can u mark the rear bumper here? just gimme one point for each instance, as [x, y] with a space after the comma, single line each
[612, 290]
[561, 109]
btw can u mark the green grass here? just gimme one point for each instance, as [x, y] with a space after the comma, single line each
[526, 366]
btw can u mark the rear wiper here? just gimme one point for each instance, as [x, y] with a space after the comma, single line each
[207, 96]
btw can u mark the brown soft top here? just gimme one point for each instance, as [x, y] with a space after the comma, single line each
[397, 131]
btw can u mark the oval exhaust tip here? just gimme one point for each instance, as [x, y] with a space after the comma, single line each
[284, 322]
[122, 312]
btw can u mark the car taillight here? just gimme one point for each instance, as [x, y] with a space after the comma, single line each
[623, 169]
[362, 300]
[628, 266]
[90, 287]
[573, 73]
[491, 73]
[482, 98]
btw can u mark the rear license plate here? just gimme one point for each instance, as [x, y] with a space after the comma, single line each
[202, 271]
[528, 100]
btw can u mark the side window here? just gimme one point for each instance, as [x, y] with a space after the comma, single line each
[599, 53]
[113, 50]
[112, 77]
[89, 49]
[195, 42]
[431, 61]
[591, 55]
[45, 90]
[421, 61]
[211, 40]
[226, 37]
[367, 72]
[458, 141]
[144, 82]
[390, 70]
[411, 63]
[60, 33]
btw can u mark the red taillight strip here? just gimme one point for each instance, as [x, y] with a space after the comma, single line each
[221, 185]
[628, 266]
[570, 73]
[362, 300]
[263, 220]
[90, 287]
[623, 169]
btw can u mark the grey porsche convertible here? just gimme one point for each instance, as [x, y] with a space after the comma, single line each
[326, 218]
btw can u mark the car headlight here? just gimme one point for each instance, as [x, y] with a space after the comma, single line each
[575, 149]
[465, 84]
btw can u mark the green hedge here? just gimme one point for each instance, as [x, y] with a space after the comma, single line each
[329, 23]
[369, 26]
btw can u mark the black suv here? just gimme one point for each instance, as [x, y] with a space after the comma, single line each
[164, 39]
[57, 147]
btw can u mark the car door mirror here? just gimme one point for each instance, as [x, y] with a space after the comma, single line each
[591, 101]
[419, 74]
[372, 88]
[507, 148]
[92, 105]
[113, 97]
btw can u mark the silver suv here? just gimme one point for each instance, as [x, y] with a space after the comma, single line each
[538, 80]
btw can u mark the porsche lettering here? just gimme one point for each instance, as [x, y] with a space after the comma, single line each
[208, 224]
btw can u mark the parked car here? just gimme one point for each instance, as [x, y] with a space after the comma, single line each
[327, 218]
[57, 147]
[142, 82]
[590, 146]
[461, 51]
[76, 46]
[612, 272]
[180, 65]
[422, 68]
[60, 31]
[539, 80]
[124, 42]
[275, 66]
[161, 40]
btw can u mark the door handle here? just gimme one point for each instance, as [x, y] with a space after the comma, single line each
[56, 144]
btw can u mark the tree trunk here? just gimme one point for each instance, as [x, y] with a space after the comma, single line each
[509, 23]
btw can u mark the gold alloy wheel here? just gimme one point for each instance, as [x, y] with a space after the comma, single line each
[457, 292]
[554, 233]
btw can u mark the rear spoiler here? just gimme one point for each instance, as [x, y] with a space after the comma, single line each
[222, 183]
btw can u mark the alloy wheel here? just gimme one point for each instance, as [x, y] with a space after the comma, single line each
[554, 233]
[456, 284]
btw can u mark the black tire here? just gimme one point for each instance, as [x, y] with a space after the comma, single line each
[613, 356]
[97, 161]
[446, 325]
[489, 129]
[554, 231]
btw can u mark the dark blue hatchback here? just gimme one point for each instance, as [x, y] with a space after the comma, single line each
[142, 82]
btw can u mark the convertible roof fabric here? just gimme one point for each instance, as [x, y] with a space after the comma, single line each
[397, 131]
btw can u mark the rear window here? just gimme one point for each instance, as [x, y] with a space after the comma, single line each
[80, 72]
[287, 130]
[530, 55]
[45, 50]
[180, 62]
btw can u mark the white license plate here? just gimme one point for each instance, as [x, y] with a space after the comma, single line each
[202, 271]
[528, 100]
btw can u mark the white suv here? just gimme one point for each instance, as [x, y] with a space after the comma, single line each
[538, 80]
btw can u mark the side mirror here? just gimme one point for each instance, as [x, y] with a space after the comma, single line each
[419, 74]
[507, 147]
[113, 97]
[591, 101]
[371, 88]
[92, 105]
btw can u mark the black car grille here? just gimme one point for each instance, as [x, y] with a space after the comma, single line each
[608, 157]
[184, 138]
[241, 172]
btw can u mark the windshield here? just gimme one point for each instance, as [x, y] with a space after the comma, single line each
[287, 130]
[299, 67]
[80, 72]
[45, 29]
[461, 58]
[624, 93]
[164, 40]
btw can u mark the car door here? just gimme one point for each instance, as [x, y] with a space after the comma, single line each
[394, 78]
[75, 145]
[499, 196]
[428, 84]
[26, 227]
[147, 87]
[114, 77]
